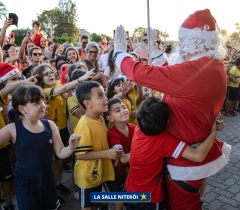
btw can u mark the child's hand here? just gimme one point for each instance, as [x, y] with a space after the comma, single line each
[114, 154]
[88, 75]
[125, 88]
[219, 125]
[74, 140]
[31, 80]
[7, 23]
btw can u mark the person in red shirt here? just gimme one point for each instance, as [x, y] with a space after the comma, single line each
[194, 87]
[36, 35]
[120, 137]
[150, 145]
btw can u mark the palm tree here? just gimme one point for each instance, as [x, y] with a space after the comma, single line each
[3, 11]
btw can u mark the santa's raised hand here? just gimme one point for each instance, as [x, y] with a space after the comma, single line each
[120, 43]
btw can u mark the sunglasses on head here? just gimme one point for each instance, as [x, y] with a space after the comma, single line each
[35, 54]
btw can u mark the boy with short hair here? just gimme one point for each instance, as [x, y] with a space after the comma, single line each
[36, 35]
[150, 145]
[94, 165]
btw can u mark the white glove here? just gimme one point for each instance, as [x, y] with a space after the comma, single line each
[120, 43]
[155, 52]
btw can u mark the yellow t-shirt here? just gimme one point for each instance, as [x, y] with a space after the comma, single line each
[92, 173]
[57, 108]
[133, 96]
[234, 71]
[3, 102]
[72, 105]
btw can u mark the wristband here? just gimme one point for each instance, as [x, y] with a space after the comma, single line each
[78, 80]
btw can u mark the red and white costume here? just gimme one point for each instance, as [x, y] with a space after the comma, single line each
[195, 91]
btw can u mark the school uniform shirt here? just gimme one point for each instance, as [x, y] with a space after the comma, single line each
[57, 108]
[3, 102]
[92, 173]
[194, 91]
[146, 162]
[234, 71]
[133, 96]
[116, 139]
[73, 105]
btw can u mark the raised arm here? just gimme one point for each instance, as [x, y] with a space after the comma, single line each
[7, 23]
[10, 87]
[71, 85]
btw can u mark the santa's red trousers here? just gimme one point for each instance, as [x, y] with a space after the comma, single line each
[177, 198]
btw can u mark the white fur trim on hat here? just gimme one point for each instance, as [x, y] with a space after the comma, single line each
[185, 32]
[8, 75]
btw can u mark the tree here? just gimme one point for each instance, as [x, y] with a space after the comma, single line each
[67, 19]
[19, 35]
[223, 31]
[3, 11]
[98, 37]
[43, 19]
[138, 33]
[63, 38]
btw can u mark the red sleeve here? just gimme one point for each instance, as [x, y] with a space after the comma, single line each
[113, 138]
[177, 80]
[173, 147]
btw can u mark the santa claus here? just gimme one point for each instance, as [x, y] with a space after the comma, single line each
[194, 88]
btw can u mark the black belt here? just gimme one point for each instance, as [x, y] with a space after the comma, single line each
[185, 185]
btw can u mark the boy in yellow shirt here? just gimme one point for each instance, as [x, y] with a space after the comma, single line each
[94, 165]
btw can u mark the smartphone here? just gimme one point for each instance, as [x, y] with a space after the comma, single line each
[12, 34]
[29, 33]
[114, 33]
[63, 73]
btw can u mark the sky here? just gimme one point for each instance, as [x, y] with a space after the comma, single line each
[103, 16]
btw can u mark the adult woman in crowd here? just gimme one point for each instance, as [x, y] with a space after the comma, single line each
[91, 62]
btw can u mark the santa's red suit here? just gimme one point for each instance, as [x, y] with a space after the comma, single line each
[195, 91]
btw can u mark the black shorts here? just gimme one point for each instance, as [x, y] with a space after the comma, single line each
[232, 93]
[64, 134]
[84, 196]
[115, 186]
[6, 170]
[144, 206]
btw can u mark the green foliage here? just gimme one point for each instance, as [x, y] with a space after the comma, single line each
[63, 38]
[63, 20]
[3, 11]
[19, 35]
[43, 19]
[138, 33]
[223, 31]
[67, 19]
[98, 37]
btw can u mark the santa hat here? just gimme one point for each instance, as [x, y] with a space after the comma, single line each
[201, 19]
[6, 71]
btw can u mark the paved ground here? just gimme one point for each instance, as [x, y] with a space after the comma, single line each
[223, 189]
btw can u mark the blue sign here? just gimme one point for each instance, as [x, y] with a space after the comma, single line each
[131, 197]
